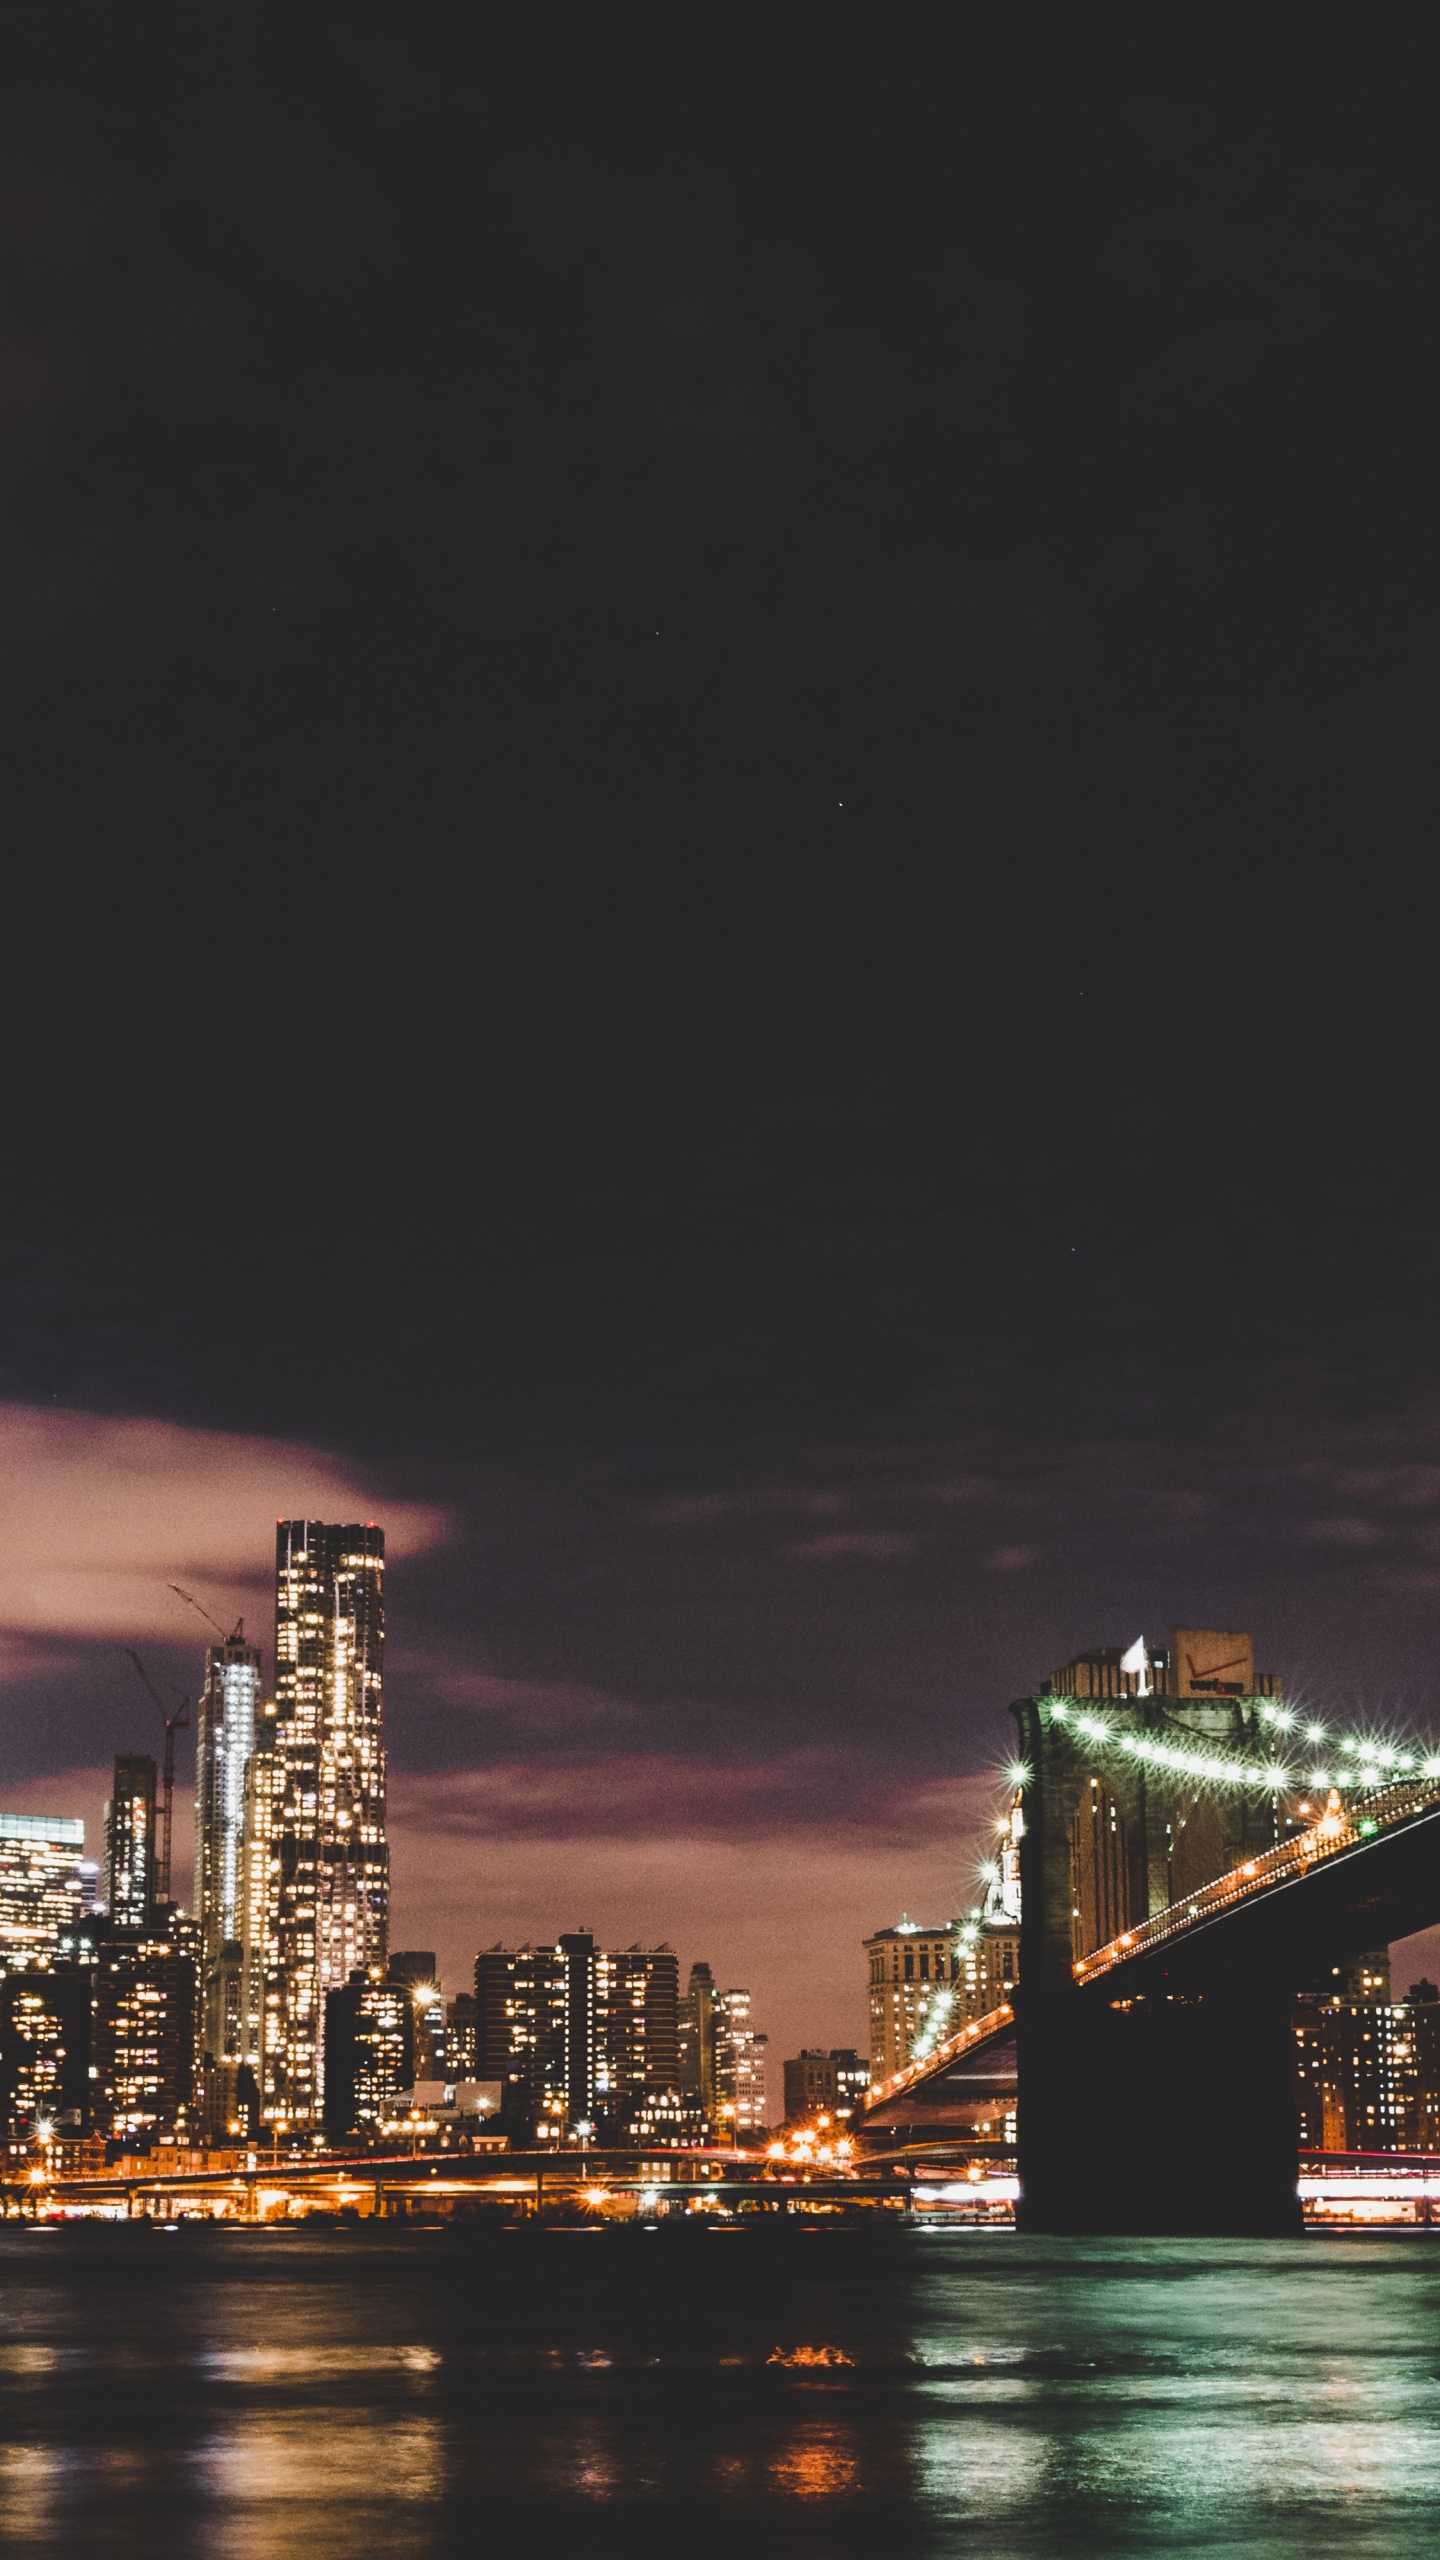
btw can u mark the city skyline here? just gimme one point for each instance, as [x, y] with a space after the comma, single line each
[827, 816]
[793, 2021]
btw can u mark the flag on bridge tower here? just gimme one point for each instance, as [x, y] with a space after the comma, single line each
[1138, 1660]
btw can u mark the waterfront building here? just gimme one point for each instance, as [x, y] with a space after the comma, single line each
[1367, 2074]
[228, 2106]
[986, 1968]
[45, 2050]
[519, 2032]
[695, 2052]
[130, 1880]
[262, 1994]
[229, 1717]
[574, 2033]
[739, 2066]
[662, 2120]
[417, 1967]
[143, 2029]
[823, 2080]
[911, 1971]
[369, 2053]
[460, 2038]
[327, 1861]
[637, 2000]
[46, 1887]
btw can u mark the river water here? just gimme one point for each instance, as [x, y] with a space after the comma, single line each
[292, 2395]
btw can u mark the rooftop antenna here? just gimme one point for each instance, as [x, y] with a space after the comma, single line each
[176, 1723]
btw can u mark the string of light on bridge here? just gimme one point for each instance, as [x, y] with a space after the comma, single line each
[1351, 1760]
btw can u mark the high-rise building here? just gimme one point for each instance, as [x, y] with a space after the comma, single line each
[45, 2050]
[695, 2054]
[637, 1999]
[46, 1888]
[262, 1991]
[416, 1966]
[143, 2030]
[130, 1879]
[911, 1971]
[327, 1862]
[824, 2080]
[460, 2037]
[520, 2033]
[574, 2033]
[1367, 2074]
[739, 2066]
[369, 2053]
[230, 1704]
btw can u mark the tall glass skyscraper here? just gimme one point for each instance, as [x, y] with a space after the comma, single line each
[328, 1863]
[230, 1705]
[130, 1842]
[45, 1886]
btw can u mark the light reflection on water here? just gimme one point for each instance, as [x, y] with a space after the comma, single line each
[815, 2393]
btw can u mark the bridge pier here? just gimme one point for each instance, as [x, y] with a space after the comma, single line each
[1172, 2113]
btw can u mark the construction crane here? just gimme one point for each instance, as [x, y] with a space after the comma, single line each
[174, 1723]
[237, 1632]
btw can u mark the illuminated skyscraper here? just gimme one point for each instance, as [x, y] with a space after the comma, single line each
[912, 1970]
[45, 1887]
[328, 1862]
[739, 2066]
[229, 1717]
[695, 2053]
[262, 2006]
[130, 1842]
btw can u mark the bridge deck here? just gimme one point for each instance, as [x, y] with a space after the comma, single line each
[980, 2031]
[1336, 1830]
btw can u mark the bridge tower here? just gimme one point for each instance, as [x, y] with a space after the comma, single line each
[1175, 2110]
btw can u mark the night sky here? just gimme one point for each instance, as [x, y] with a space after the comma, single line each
[720, 775]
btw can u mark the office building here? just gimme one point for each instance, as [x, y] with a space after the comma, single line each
[1367, 2074]
[460, 2038]
[46, 1887]
[519, 2032]
[824, 2081]
[695, 2046]
[45, 2050]
[739, 2067]
[327, 1863]
[662, 2120]
[911, 1972]
[369, 2053]
[637, 2000]
[575, 2034]
[262, 1992]
[229, 2106]
[986, 1968]
[130, 1843]
[229, 1716]
[416, 1966]
[143, 2030]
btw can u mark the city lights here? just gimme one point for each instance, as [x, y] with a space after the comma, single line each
[1371, 1763]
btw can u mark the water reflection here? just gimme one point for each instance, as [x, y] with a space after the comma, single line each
[916, 2392]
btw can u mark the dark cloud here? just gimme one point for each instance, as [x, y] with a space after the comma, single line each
[719, 797]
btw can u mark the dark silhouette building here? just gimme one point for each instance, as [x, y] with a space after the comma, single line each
[143, 2032]
[130, 1882]
[821, 2081]
[574, 2033]
[695, 2038]
[45, 2050]
[369, 2053]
